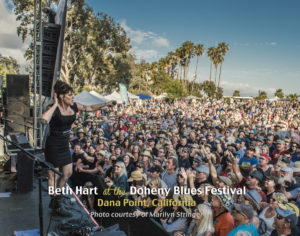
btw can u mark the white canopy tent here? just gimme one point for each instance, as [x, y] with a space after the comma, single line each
[87, 99]
[132, 96]
[114, 96]
[97, 95]
[117, 97]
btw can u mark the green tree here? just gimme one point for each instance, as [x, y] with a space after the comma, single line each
[222, 50]
[198, 50]
[188, 52]
[236, 93]
[219, 93]
[293, 97]
[8, 65]
[211, 54]
[209, 88]
[278, 93]
[262, 95]
[92, 47]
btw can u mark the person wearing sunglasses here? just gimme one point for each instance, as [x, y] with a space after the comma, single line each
[119, 178]
[285, 223]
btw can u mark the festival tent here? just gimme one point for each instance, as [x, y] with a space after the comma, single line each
[87, 99]
[143, 96]
[191, 97]
[98, 95]
[163, 95]
[114, 96]
[132, 96]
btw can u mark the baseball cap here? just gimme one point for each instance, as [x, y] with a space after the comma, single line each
[257, 174]
[203, 169]
[244, 209]
[288, 215]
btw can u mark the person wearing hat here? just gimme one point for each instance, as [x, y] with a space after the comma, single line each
[243, 214]
[80, 138]
[151, 142]
[223, 220]
[270, 187]
[279, 151]
[285, 223]
[146, 158]
[241, 147]
[253, 198]
[162, 139]
[248, 162]
[254, 180]
[264, 166]
[158, 161]
[202, 176]
[155, 172]
[196, 162]
[180, 223]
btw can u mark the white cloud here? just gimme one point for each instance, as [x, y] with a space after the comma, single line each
[271, 44]
[245, 89]
[141, 54]
[139, 36]
[10, 43]
[161, 42]
[145, 43]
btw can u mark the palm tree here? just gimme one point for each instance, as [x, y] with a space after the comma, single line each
[210, 54]
[262, 95]
[188, 52]
[179, 57]
[293, 97]
[236, 93]
[278, 93]
[199, 50]
[222, 49]
[216, 61]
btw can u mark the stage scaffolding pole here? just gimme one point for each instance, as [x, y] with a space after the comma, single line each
[37, 73]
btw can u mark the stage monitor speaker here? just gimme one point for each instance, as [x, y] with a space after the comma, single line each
[51, 34]
[17, 103]
[25, 167]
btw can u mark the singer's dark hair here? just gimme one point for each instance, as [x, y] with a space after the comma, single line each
[61, 88]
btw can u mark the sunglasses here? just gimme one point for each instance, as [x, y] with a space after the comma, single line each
[279, 217]
[180, 176]
[139, 166]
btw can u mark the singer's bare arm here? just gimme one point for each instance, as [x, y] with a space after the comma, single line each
[93, 107]
[47, 115]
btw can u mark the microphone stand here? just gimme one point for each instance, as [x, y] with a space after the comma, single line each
[40, 162]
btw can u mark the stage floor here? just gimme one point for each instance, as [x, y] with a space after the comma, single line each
[20, 211]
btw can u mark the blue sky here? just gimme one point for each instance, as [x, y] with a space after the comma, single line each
[264, 37]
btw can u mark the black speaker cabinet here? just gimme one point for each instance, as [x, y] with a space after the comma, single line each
[25, 167]
[17, 102]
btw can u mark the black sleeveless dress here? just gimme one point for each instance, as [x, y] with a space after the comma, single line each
[57, 149]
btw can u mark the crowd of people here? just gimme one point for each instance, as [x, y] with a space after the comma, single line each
[193, 144]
